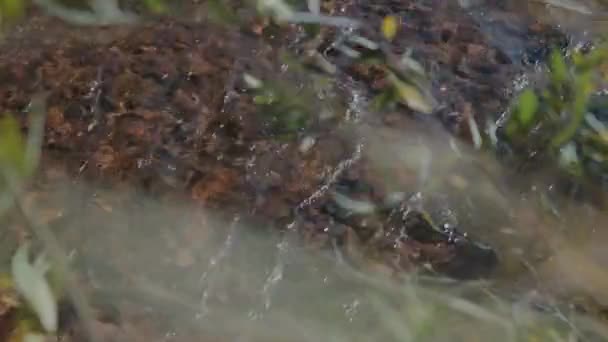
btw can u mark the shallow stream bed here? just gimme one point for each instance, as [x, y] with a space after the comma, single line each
[190, 214]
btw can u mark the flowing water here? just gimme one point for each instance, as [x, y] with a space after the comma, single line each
[165, 268]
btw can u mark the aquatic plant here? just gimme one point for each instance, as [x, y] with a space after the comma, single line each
[564, 119]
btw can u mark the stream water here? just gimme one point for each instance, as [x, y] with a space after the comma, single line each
[239, 237]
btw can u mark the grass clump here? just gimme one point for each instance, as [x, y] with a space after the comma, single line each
[565, 120]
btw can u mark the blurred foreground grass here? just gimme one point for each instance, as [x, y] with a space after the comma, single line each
[263, 286]
[82, 12]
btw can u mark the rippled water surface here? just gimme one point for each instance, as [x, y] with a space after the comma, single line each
[220, 231]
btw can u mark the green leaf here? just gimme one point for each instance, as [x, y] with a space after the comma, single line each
[411, 95]
[11, 8]
[265, 98]
[527, 107]
[12, 145]
[156, 6]
[559, 70]
[583, 87]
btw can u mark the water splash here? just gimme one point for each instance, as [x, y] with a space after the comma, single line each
[206, 279]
